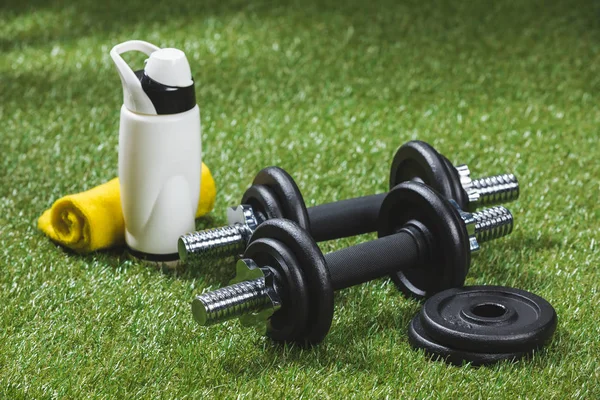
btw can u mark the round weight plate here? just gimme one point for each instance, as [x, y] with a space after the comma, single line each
[491, 319]
[460, 195]
[448, 257]
[314, 269]
[263, 201]
[289, 196]
[289, 322]
[420, 162]
[419, 339]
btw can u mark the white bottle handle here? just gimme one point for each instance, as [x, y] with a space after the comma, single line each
[134, 97]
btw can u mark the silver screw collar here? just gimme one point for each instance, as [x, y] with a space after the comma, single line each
[243, 215]
[489, 190]
[485, 225]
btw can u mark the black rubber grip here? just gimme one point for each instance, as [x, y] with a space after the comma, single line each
[345, 218]
[371, 260]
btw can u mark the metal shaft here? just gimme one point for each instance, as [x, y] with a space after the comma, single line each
[212, 244]
[492, 223]
[496, 189]
[231, 301]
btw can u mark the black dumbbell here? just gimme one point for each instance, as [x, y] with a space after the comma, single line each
[283, 279]
[274, 194]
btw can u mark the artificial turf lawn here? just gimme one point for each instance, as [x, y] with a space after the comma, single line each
[326, 90]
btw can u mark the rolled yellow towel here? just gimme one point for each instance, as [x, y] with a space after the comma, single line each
[93, 220]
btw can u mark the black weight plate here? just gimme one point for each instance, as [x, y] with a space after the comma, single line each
[316, 274]
[263, 201]
[492, 319]
[460, 195]
[449, 263]
[289, 196]
[420, 162]
[289, 322]
[419, 339]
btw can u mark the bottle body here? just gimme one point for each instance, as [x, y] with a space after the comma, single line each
[160, 160]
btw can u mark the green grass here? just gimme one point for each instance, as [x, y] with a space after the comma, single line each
[327, 90]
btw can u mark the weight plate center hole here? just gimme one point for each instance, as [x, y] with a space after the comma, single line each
[488, 310]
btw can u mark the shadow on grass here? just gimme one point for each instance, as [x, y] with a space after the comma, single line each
[345, 347]
[519, 241]
[114, 257]
[509, 260]
[218, 272]
[61, 21]
[87, 18]
[214, 273]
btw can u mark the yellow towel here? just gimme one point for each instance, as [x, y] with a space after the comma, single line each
[93, 220]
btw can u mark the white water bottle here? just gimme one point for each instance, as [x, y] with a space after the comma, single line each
[159, 150]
